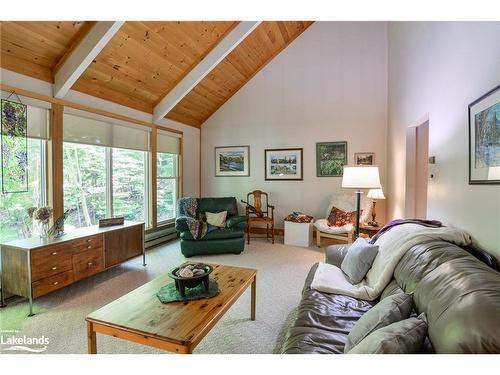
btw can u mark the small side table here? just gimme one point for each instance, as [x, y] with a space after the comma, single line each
[368, 230]
[298, 234]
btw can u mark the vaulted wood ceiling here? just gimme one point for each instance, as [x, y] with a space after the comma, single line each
[144, 61]
[36, 48]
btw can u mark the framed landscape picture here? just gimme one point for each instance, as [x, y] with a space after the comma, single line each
[233, 161]
[283, 164]
[330, 159]
[484, 139]
[364, 158]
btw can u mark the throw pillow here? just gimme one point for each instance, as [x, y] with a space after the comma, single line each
[359, 260]
[339, 218]
[389, 310]
[216, 219]
[403, 337]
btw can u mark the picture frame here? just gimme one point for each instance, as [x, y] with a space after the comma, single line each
[484, 139]
[232, 161]
[331, 157]
[283, 164]
[364, 158]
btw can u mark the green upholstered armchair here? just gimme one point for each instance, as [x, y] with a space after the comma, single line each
[230, 239]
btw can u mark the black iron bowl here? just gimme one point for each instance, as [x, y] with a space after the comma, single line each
[190, 282]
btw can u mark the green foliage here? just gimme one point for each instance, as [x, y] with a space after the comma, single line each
[331, 167]
[166, 186]
[85, 188]
[129, 184]
[14, 219]
[84, 183]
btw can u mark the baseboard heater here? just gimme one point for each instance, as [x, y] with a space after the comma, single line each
[160, 236]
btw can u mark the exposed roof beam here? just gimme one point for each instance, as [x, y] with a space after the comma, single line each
[83, 54]
[205, 66]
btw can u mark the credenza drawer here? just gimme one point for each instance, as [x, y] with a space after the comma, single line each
[50, 261]
[87, 243]
[88, 263]
[49, 284]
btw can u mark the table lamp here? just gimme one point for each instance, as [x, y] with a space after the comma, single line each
[358, 178]
[375, 194]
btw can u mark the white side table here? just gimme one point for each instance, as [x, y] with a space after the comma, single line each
[298, 234]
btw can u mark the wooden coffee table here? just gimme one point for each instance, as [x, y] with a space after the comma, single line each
[178, 326]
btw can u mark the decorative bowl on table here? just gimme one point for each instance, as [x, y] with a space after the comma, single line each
[190, 275]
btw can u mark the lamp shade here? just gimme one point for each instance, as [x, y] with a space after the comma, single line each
[376, 194]
[361, 178]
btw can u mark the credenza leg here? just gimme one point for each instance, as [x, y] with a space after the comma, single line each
[30, 286]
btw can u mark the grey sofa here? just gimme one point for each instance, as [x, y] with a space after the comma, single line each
[458, 291]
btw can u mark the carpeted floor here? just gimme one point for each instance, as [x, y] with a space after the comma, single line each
[280, 277]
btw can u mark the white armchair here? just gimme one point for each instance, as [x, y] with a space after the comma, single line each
[345, 234]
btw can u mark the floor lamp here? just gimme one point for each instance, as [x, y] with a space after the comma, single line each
[360, 178]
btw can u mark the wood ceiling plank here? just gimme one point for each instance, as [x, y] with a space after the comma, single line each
[25, 67]
[41, 43]
[103, 92]
[214, 57]
[111, 80]
[241, 65]
[154, 55]
[83, 54]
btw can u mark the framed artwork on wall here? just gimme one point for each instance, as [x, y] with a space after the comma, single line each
[14, 145]
[364, 158]
[330, 159]
[484, 139]
[283, 164]
[232, 161]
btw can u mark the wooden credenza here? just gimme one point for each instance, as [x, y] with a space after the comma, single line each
[35, 266]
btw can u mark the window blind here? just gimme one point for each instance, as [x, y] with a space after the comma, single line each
[168, 142]
[38, 115]
[78, 129]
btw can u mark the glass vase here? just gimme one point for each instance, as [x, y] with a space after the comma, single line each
[43, 229]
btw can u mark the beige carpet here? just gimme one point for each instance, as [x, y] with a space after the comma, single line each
[280, 278]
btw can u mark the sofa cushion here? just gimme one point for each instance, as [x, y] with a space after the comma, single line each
[216, 219]
[359, 260]
[323, 321]
[403, 337]
[390, 310]
[322, 226]
[218, 205]
[391, 289]
[217, 234]
[335, 254]
[461, 299]
[236, 221]
[459, 294]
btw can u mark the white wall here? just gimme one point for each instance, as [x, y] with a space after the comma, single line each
[435, 70]
[330, 84]
[191, 135]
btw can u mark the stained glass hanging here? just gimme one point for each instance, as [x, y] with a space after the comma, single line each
[14, 140]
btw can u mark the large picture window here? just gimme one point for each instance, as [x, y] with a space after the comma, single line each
[105, 171]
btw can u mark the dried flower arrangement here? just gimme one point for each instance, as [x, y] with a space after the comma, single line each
[42, 214]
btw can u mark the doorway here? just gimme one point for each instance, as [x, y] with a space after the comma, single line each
[417, 168]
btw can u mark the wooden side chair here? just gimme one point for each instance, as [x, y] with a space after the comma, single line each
[259, 213]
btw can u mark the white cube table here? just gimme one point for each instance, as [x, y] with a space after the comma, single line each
[298, 234]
